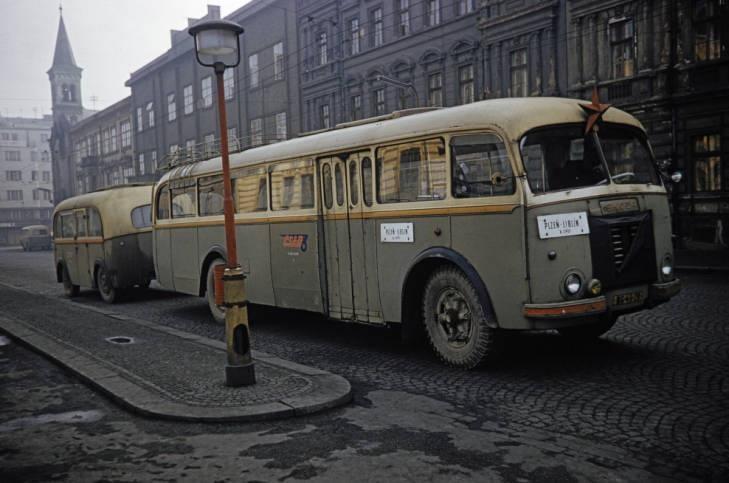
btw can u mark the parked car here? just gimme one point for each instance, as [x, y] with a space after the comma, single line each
[35, 237]
[103, 240]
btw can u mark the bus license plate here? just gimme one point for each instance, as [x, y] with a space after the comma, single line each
[629, 298]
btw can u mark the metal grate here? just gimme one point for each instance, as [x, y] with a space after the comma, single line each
[621, 239]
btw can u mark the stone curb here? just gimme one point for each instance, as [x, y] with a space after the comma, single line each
[336, 390]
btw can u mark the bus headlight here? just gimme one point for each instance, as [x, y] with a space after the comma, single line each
[573, 284]
[667, 267]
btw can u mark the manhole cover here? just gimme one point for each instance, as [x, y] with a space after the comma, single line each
[120, 339]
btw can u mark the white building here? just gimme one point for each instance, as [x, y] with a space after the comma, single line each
[26, 183]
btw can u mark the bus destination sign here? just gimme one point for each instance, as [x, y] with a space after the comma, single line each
[563, 224]
[396, 232]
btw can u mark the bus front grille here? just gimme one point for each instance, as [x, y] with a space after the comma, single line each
[623, 249]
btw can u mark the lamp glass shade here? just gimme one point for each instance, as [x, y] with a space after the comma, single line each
[216, 46]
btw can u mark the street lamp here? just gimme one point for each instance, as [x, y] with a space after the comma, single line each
[217, 45]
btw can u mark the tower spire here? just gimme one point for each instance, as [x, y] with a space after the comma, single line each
[63, 55]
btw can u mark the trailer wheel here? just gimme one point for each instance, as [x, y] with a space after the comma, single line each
[456, 322]
[217, 311]
[69, 288]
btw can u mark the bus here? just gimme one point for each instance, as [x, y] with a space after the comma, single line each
[467, 221]
[103, 240]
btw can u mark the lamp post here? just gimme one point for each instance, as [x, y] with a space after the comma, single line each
[217, 45]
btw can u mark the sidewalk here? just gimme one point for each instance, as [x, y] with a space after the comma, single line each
[161, 372]
[704, 260]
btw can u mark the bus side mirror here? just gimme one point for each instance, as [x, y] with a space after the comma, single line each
[677, 176]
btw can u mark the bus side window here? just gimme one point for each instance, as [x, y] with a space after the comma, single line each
[339, 183]
[289, 185]
[57, 227]
[141, 216]
[367, 181]
[326, 179]
[95, 223]
[480, 166]
[353, 183]
[81, 222]
[183, 201]
[210, 195]
[413, 171]
[163, 203]
[250, 189]
[68, 225]
[307, 190]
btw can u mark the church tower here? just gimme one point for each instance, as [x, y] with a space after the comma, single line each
[65, 79]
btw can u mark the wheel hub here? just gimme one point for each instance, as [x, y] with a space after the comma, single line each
[454, 317]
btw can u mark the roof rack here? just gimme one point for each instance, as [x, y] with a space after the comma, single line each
[370, 120]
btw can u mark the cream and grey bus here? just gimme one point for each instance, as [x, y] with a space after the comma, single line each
[498, 215]
[103, 240]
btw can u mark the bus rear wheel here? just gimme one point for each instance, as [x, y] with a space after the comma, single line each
[455, 321]
[69, 288]
[108, 293]
[217, 311]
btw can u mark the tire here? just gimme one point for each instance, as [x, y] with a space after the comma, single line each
[69, 288]
[588, 332]
[456, 322]
[216, 311]
[108, 292]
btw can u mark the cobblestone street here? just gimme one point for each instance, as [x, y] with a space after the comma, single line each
[649, 401]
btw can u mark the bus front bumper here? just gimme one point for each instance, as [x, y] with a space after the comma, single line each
[618, 301]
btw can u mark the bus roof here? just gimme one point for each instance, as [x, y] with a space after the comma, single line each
[511, 116]
[115, 205]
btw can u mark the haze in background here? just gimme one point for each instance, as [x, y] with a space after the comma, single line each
[109, 38]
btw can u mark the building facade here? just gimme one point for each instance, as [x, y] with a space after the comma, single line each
[26, 178]
[174, 99]
[366, 58]
[103, 148]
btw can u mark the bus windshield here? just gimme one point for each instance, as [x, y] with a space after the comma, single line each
[563, 157]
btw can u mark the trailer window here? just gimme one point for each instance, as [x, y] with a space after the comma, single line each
[142, 216]
[95, 228]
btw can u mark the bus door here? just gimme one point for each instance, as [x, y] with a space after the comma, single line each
[350, 259]
[81, 247]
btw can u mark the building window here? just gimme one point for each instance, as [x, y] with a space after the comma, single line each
[233, 139]
[142, 167]
[622, 47]
[17, 175]
[150, 114]
[46, 176]
[378, 101]
[323, 48]
[404, 16]
[209, 143]
[139, 120]
[229, 83]
[378, 30]
[707, 162]
[15, 195]
[174, 148]
[354, 34]
[153, 167]
[190, 149]
[708, 23]
[324, 120]
[12, 155]
[465, 6]
[278, 61]
[281, 133]
[253, 70]
[45, 156]
[33, 176]
[519, 73]
[171, 107]
[435, 89]
[105, 141]
[432, 12]
[256, 132]
[355, 107]
[126, 134]
[188, 99]
[41, 194]
[465, 80]
[113, 141]
[206, 91]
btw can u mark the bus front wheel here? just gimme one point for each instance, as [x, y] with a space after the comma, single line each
[217, 311]
[455, 320]
[69, 288]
